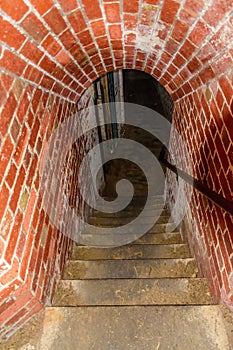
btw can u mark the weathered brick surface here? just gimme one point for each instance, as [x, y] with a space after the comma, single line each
[51, 52]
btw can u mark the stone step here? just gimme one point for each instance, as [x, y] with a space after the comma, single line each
[166, 291]
[135, 230]
[162, 228]
[111, 240]
[106, 269]
[107, 240]
[130, 212]
[136, 205]
[111, 221]
[134, 328]
[137, 200]
[160, 238]
[170, 251]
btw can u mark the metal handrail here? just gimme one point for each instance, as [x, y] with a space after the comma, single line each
[201, 187]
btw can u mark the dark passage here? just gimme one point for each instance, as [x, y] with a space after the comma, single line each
[139, 88]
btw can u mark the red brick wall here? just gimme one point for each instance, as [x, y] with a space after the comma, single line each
[205, 120]
[51, 52]
[30, 244]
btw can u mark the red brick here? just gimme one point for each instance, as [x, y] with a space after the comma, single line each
[12, 63]
[68, 5]
[180, 30]
[26, 255]
[18, 305]
[85, 38]
[225, 138]
[148, 14]
[30, 208]
[10, 35]
[31, 51]
[199, 33]
[222, 155]
[14, 237]
[102, 42]
[55, 21]
[98, 28]
[63, 58]
[32, 74]
[77, 21]
[3, 94]
[195, 5]
[22, 108]
[228, 243]
[163, 30]
[5, 156]
[37, 269]
[187, 15]
[7, 303]
[51, 45]
[194, 66]
[4, 199]
[34, 27]
[92, 9]
[16, 317]
[32, 261]
[187, 49]
[223, 64]
[130, 6]
[217, 11]
[226, 88]
[14, 10]
[229, 222]
[130, 21]
[5, 292]
[179, 61]
[31, 173]
[206, 53]
[21, 145]
[42, 6]
[207, 74]
[115, 31]
[47, 64]
[219, 99]
[17, 189]
[226, 281]
[11, 175]
[169, 11]
[152, 2]
[112, 13]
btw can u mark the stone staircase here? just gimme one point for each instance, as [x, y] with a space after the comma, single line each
[144, 295]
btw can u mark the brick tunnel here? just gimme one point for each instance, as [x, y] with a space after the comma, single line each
[51, 53]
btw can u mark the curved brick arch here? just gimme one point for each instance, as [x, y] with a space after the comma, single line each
[52, 50]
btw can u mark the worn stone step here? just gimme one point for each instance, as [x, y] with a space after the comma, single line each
[134, 328]
[166, 291]
[135, 230]
[172, 251]
[111, 240]
[127, 213]
[136, 206]
[137, 200]
[160, 238]
[111, 221]
[162, 228]
[108, 240]
[158, 268]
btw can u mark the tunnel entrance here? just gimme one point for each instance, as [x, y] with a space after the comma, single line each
[139, 88]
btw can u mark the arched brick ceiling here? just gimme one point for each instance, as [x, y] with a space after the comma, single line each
[63, 45]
